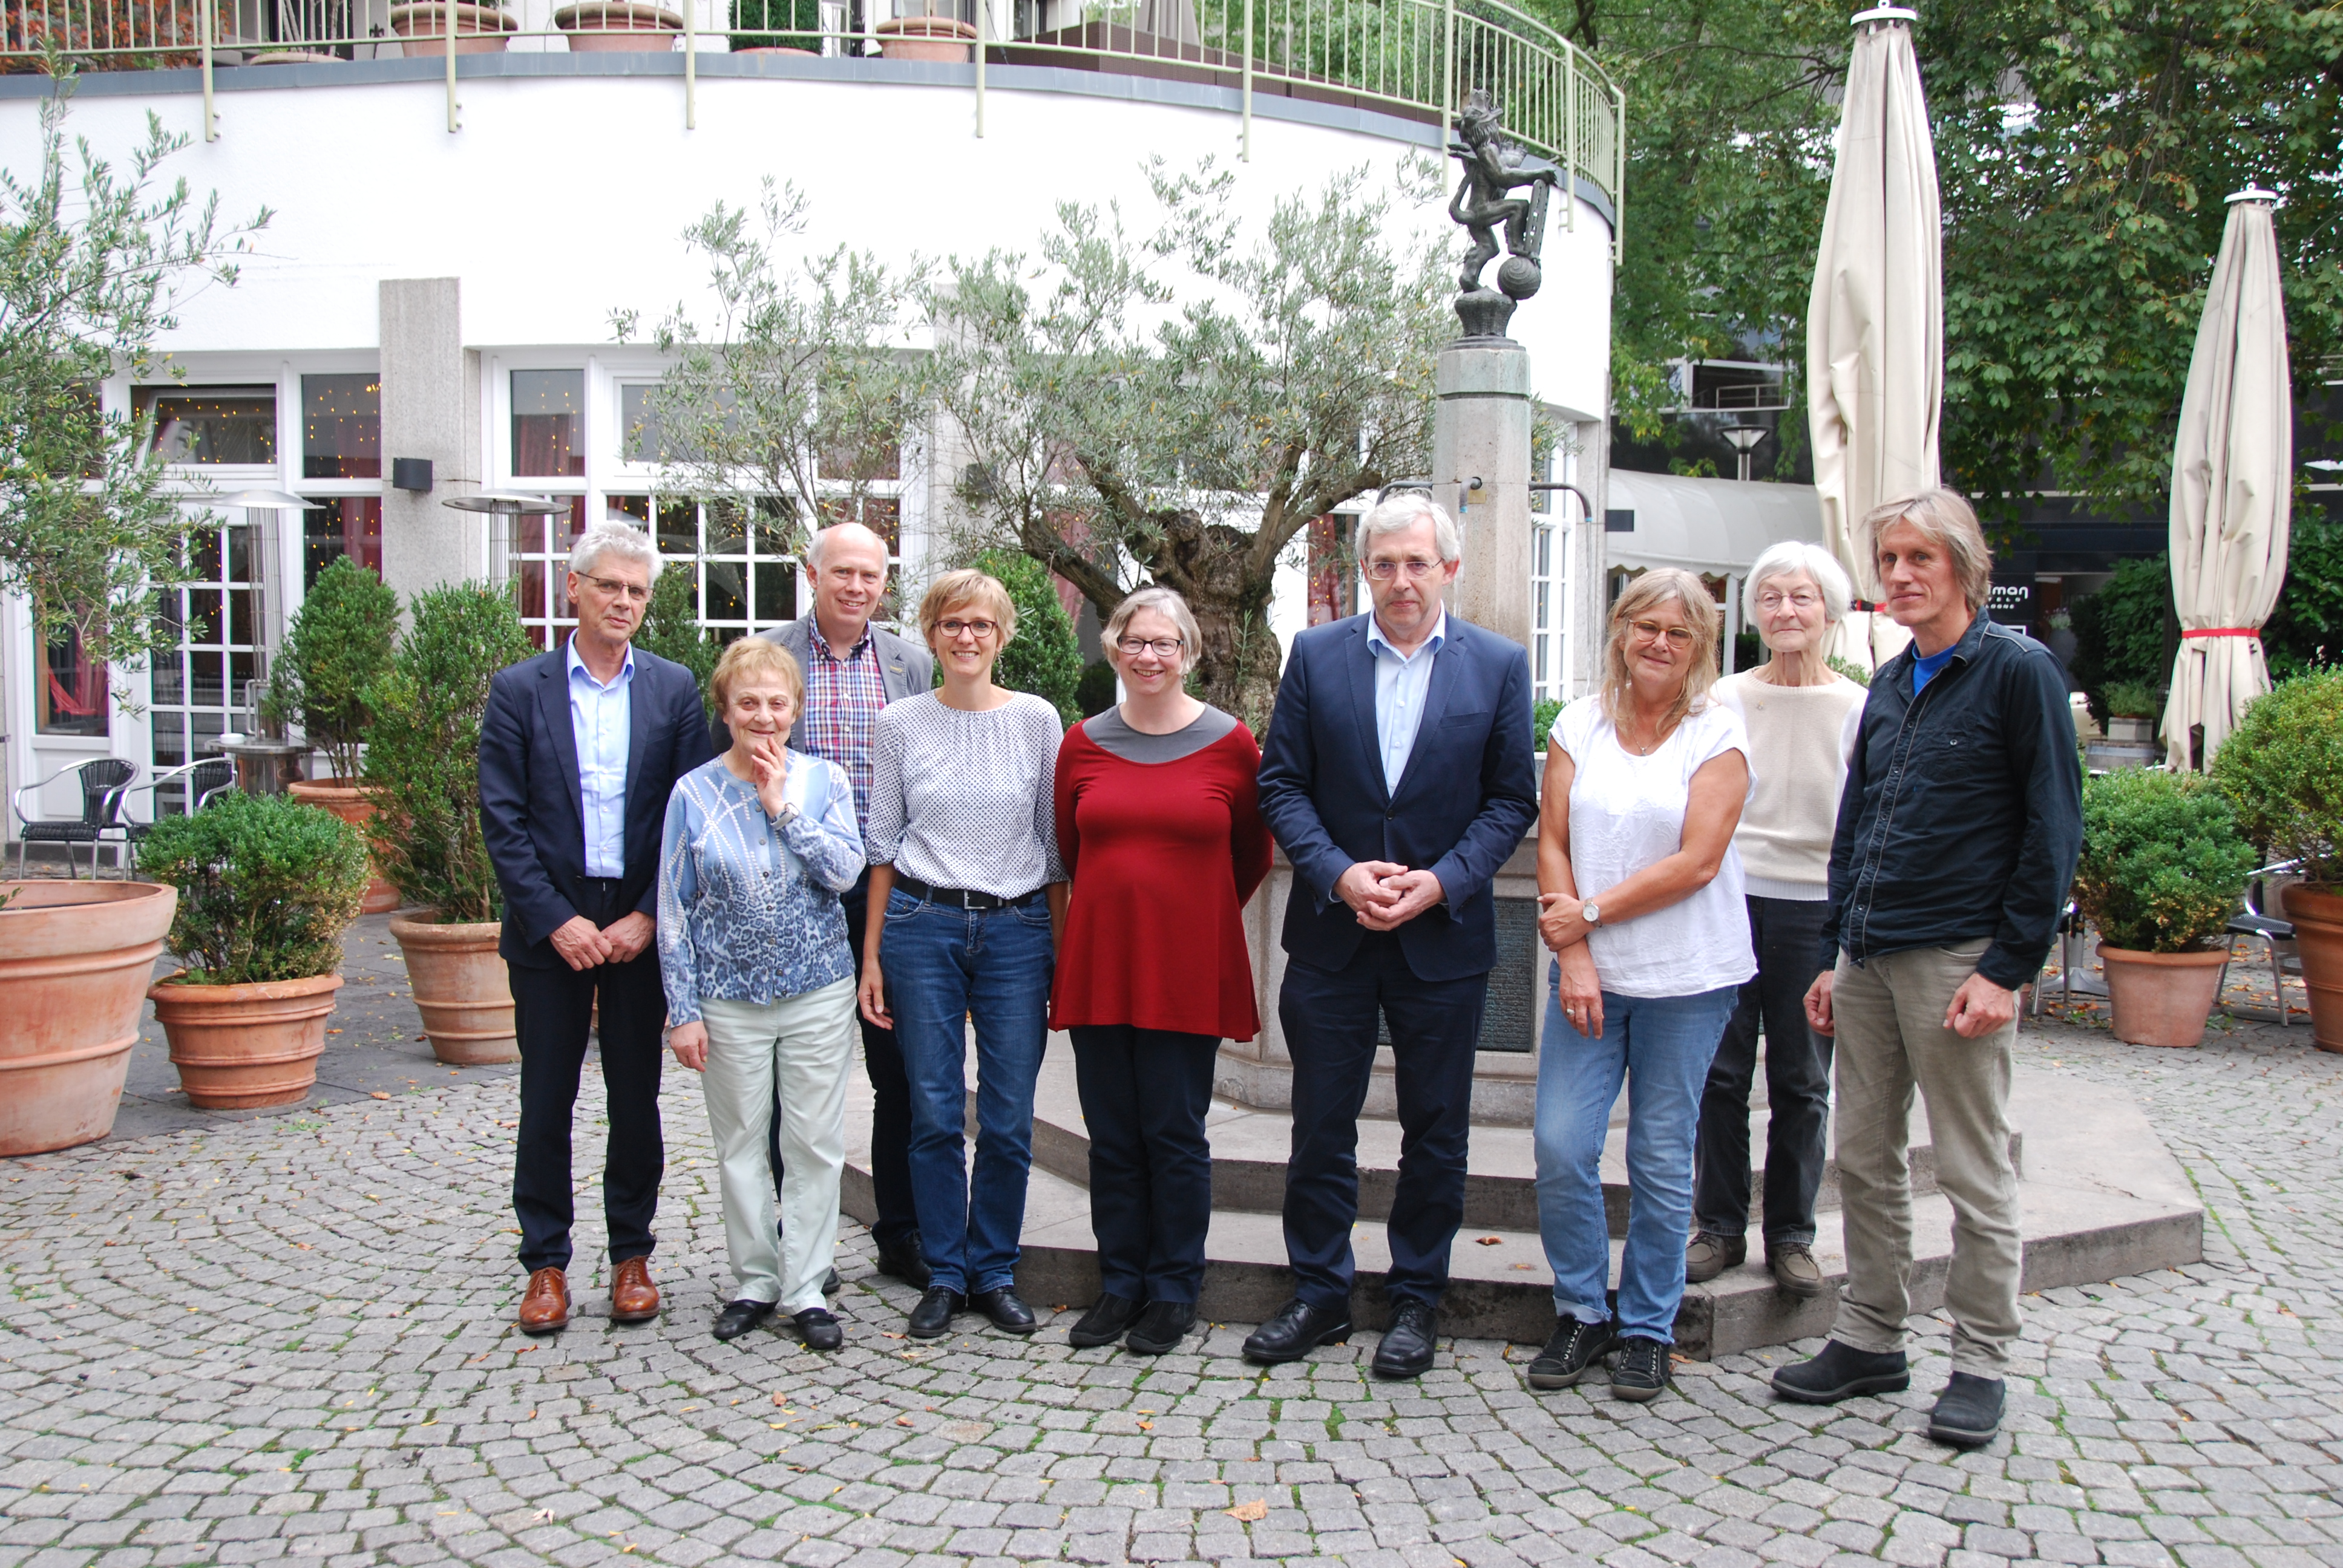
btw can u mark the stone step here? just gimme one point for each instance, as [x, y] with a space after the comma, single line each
[2101, 1199]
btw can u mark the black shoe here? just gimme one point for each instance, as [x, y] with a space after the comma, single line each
[1298, 1329]
[1642, 1370]
[1842, 1372]
[1968, 1412]
[739, 1317]
[1009, 1314]
[908, 1263]
[832, 1285]
[1406, 1348]
[1575, 1350]
[1105, 1323]
[931, 1319]
[819, 1329]
[1161, 1327]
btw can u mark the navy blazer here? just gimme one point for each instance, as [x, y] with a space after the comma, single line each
[531, 813]
[1468, 795]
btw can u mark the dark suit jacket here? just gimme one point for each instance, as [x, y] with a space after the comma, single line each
[530, 809]
[1468, 795]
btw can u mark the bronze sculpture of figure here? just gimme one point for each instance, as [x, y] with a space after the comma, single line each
[1484, 201]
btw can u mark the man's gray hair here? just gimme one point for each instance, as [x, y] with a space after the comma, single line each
[1795, 558]
[625, 540]
[1396, 514]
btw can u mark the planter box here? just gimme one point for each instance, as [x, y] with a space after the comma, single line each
[2316, 912]
[423, 28]
[76, 960]
[239, 1047]
[2162, 999]
[460, 987]
[611, 27]
[945, 38]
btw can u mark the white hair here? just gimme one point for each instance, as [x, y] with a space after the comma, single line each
[624, 541]
[1396, 514]
[1795, 558]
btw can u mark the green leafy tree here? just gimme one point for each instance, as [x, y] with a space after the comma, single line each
[267, 886]
[671, 629]
[2305, 629]
[423, 753]
[2163, 863]
[1044, 656]
[2119, 630]
[339, 644]
[93, 263]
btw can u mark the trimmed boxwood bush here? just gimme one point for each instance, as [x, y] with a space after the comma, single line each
[2163, 863]
[2283, 770]
[266, 886]
[339, 644]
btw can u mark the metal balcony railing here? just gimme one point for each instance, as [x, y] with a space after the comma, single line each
[1418, 58]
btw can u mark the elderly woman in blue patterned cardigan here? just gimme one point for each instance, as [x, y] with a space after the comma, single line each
[760, 982]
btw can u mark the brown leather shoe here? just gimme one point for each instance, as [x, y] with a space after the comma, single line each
[545, 1307]
[633, 1298]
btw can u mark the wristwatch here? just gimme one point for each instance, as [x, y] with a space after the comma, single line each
[787, 815]
[1591, 913]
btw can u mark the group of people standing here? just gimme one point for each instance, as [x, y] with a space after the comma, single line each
[879, 839]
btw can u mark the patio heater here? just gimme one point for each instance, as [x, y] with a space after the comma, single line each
[1745, 439]
[266, 761]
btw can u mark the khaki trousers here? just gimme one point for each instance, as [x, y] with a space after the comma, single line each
[1890, 1019]
[798, 1047]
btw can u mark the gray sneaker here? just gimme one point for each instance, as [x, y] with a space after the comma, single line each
[1795, 1269]
[1708, 1256]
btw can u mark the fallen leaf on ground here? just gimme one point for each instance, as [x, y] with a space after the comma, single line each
[1249, 1513]
[378, 1094]
[1492, 1241]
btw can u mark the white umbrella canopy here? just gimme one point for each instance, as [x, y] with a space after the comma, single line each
[2232, 485]
[1875, 321]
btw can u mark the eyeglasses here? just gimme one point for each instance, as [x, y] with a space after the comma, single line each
[1775, 599]
[1383, 571]
[1679, 636]
[634, 593]
[1161, 646]
[979, 630]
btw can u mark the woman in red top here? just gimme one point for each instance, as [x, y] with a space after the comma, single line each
[1156, 814]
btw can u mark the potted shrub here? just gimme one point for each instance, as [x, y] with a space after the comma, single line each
[2162, 868]
[2132, 710]
[423, 762]
[339, 644]
[266, 887]
[2283, 769]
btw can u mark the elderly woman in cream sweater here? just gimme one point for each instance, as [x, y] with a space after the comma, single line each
[1802, 720]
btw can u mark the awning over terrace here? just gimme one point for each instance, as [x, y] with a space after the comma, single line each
[1714, 527]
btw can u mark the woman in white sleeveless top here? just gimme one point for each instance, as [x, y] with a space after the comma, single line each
[1642, 901]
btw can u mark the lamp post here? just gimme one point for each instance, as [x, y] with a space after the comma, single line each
[1745, 439]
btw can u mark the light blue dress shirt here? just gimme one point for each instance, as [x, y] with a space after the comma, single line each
[1402, 683]
[599, 716]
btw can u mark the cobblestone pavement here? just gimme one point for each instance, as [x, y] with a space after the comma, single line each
[290, 1337]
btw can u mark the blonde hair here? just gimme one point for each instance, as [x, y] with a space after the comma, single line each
[1702, 613]
[747, 657]
[1165, 602]
[1946, 521]
[968, 587]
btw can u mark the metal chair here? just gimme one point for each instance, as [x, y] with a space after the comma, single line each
[2272, 930]
[101, 783]
[203, 780]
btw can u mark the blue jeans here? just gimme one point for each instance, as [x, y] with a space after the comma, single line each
[1661, 1046]
[944, 966]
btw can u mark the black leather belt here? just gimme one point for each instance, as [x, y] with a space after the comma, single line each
[961, 898]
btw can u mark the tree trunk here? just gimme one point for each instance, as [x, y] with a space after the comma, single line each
[1237, 665]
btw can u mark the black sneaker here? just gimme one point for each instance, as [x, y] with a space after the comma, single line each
[1105, 1323]
[1968, 1412]
[1841, 1371]
[1574, 1350]
[1642, 1370]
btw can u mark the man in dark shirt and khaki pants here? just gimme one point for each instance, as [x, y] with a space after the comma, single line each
[1956, 839]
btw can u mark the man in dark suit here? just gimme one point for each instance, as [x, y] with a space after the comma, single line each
[1397, 779]
[579, 750]
[852, 669]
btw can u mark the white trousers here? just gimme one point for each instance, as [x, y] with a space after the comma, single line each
[804, 1044]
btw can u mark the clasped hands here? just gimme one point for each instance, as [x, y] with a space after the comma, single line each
[1385, 895]
[582, 944]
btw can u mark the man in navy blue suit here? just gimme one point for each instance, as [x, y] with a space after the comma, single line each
[580, 750]
[1397, 779]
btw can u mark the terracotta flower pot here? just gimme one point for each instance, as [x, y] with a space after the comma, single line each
[604, 26]
[76, 960]
[944, 38]
[353, 804]
[2162, 999]
[479, 29]
[2316, 912]
[460, 987]
[238, 1047]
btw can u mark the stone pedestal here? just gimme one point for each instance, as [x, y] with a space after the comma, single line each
[1481, 431]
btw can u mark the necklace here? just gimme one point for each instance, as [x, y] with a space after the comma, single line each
[1658, 735]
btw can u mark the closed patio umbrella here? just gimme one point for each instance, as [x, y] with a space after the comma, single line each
[2232, 472]
[1875, 321]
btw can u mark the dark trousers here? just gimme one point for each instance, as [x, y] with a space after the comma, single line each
[1785, 932]
[1145, 1092]
[552, 1011]
[890, 1106]
[1330, 1019]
